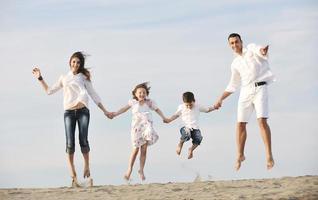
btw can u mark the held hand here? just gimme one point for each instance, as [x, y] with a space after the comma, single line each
[109, 115]
[166, 120]
[36, 72]
[112, 115]
[264, 50]
[218, 104]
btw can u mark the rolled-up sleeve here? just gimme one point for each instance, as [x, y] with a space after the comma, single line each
[92, 93]
[256, 49]
[235, 81]
[57, 86]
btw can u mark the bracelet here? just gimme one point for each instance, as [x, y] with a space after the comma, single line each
[40, 78]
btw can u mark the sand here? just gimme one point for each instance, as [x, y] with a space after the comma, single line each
[289, 188]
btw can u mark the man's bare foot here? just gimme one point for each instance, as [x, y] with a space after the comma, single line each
[239, 160]
[190, 153]
[270, 163]
[142, 175]
[87, 172]
[179, 148]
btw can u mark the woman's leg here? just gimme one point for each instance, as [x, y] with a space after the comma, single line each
[143, 155]
[83, 117]
[132, 159]
[70, 122]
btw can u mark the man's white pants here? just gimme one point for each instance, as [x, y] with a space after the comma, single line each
[252, 97]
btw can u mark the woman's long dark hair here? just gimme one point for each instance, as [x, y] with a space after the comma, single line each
[81, 56]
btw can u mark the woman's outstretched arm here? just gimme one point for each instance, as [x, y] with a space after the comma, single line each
[37, 73]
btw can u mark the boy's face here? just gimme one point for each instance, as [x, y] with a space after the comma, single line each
[189, 105]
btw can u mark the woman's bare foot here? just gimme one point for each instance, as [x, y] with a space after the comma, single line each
[190, 153]
[239, 160]
[270, 163]
[142, 175]
[75, 182]
[87, 172]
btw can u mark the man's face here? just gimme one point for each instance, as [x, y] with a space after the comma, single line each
[189, 105]
[236, 44]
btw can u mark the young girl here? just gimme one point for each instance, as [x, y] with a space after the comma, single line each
[142, 131]
[77, 86]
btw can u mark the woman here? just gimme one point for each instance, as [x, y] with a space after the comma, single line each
[77, 87]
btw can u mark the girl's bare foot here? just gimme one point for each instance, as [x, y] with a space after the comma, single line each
[142, 175]
[239, 160]
[127, 175]
[190, 153]
[270, 163]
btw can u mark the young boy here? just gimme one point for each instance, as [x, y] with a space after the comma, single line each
[189, 112]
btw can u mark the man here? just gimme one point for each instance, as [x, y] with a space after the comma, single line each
[250, 70]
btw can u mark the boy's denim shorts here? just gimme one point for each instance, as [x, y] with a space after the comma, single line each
[195, 134]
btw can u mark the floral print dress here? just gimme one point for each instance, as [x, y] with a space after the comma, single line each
[142, 130]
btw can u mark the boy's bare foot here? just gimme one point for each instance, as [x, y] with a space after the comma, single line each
[190, 153]
[142, 175]
[87, 172]
[270, 163]
[239, 160]
[179, 148]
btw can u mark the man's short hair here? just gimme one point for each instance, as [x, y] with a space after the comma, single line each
[188, 97]
[234, 35]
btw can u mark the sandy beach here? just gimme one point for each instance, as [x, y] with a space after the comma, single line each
[289, 188]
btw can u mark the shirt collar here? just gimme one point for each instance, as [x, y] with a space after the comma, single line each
[244, 50]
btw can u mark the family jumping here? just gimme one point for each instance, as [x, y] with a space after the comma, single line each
[250, 73]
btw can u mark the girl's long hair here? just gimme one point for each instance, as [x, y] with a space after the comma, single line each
[81, 56]
[141, 85]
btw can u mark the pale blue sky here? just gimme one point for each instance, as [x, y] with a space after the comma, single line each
[177, 46]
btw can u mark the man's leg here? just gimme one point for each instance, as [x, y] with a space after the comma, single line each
[266, 135]
[240, 142]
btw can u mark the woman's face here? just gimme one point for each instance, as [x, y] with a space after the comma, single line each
[75, 64]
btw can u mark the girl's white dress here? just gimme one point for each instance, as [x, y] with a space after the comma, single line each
[142, 130]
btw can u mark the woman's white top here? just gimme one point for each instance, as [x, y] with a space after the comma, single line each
[76, 88]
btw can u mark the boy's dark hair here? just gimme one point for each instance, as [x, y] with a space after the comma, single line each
[234, 35]
[141, 85]
[188, 97]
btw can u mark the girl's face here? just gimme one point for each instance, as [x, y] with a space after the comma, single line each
[141, 94]
[75, 64]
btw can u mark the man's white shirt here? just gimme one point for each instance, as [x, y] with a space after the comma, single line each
[248, 68]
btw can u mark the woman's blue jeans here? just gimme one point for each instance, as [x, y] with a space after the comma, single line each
[81, 117]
